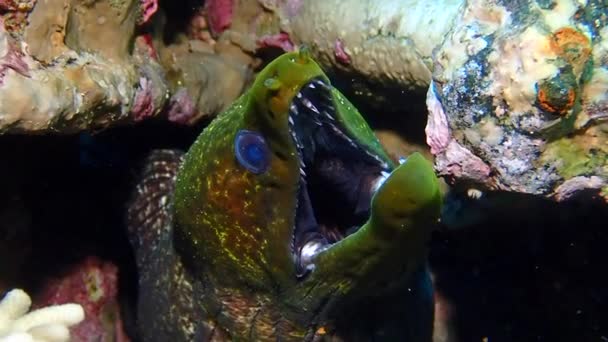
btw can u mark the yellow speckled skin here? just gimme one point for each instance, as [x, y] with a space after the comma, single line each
[234, 228]
[233, 220]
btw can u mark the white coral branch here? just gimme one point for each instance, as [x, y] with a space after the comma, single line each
[45, 324]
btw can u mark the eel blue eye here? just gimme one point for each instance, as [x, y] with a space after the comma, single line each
[251, 151]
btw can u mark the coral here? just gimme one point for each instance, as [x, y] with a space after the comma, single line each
[146, 46]
[148, 8]
[15, 13]
[49, 323]
[12, 59]
[84, 83]
[375, 44]
[521, 87]
[104, 27]
[509, 79]
[93, 284]
[16, 5]
[202, 83]
[280, 40]
[219, 15]
[340, 52]
[45, 32]
[143, 105]
[181, 107]
[78, 65]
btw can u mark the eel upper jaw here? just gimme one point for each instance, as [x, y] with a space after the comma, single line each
[338, 176]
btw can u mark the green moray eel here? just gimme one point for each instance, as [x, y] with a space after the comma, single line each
[285, 221]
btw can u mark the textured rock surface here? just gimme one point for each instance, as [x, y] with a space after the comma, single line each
[72, 68]
[69, 66]
[518, 100]
[382, 47]
[519, 97]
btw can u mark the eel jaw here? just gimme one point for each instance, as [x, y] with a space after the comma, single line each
[338, 176]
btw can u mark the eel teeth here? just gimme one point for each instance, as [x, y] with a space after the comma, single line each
[322, 84]
[328, 115]
[379, 181]
[344, 136]
[310, 106]
[293, 109]
[383, 163]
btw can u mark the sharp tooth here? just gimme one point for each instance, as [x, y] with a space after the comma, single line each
[402, 160]
[299, 95]
[344, 136]
[311, 86]
[302, 172]
[293, 109]
[322, 84]
[328, 115]
[377, 158]
[379, 181]
[291, 121]
[310, 106]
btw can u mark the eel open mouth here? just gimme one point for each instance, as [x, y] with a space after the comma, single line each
[338, 176]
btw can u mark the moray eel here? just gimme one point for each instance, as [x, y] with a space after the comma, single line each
[285, 221]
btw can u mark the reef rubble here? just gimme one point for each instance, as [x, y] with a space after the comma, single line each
[72, 66]
[516, 91]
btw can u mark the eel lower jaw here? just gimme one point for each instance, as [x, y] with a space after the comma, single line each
[315, 243]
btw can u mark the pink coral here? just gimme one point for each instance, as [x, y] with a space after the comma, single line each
[280, 40]
[7, 5]
[93, 283]
[143, 105]
[340, 52]
[148, 8]
[182, 108]
[452, 159]
[219, 15]
[17, 5]
[458, 162]
[13, 59]
[437, 130]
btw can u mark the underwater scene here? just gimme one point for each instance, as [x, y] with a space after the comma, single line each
[303, 170]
